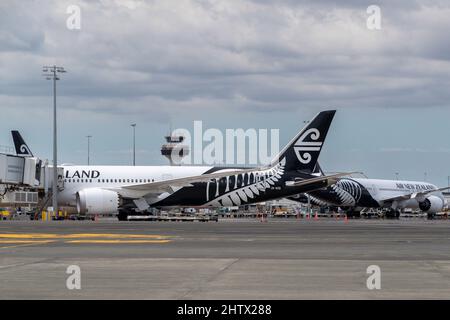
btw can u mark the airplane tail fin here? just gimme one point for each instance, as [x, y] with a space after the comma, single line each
[318, 170]
[21, 147]
[302, 152]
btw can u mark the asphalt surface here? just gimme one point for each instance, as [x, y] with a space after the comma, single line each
[230, 259]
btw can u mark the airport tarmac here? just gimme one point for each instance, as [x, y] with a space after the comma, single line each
[229, 259]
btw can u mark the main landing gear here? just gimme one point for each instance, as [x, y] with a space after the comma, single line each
[353, 214]
[392, 214]
[123, 215]
[431, 215]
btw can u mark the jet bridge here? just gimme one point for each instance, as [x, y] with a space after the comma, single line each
[22, 180]
[20, 171]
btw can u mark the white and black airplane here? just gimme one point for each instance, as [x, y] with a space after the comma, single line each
[353, 194]
[129, 189]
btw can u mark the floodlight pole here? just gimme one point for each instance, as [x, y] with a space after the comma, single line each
[89, 148]
[52, 75]
[134, 143]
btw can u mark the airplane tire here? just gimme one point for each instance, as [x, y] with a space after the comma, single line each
[122, 216]
[353, 214]
[392, 214]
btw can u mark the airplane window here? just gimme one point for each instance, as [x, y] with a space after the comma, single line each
[115, 180]
[128, 180]
[90, 180]
[98, 180]
[153, 180]
[132, 180]
[140, 180]
[78, 180]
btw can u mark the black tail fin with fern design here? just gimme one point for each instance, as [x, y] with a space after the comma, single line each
[303, 150]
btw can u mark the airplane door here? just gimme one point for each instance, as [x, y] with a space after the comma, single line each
[375, 190]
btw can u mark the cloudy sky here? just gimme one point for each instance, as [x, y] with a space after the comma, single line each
[232, 64]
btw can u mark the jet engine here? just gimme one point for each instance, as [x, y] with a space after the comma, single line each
[97, 201]
[431, 204]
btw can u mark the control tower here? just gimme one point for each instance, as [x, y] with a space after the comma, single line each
[174, 150]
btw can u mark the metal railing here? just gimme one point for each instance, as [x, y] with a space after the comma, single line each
[7, 149]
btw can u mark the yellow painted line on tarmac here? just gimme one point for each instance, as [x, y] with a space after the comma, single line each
[114, 241]
[79, 235]
[114, 235]
[25, 241]
[27, 236]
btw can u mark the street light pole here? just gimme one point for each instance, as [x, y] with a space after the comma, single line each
[50, 72]
[89, 148]
[134, 143]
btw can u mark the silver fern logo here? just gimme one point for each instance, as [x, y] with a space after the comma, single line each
[348, 191]
[245, 187]
[24, 150]
[303, 148]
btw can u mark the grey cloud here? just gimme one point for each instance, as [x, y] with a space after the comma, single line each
[157, 59]
[269, 54]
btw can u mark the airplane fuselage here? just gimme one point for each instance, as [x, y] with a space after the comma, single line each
[374, 193]
[237, 189]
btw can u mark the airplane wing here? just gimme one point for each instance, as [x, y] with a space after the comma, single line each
[414, 195]
[330, 179]
[139, 190]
